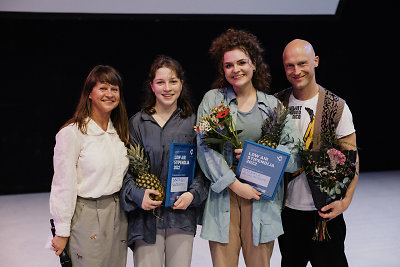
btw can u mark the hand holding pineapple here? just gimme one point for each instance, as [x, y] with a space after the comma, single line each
[147, 202]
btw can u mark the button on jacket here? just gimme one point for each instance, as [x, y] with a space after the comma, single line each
[266, 216]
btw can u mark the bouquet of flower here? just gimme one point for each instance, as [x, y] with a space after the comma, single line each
[329, 173]
[217, 128]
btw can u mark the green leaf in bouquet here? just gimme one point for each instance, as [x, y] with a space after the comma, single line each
[332, 192]
[337, 190]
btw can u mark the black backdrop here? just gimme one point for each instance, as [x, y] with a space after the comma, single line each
[44, 59]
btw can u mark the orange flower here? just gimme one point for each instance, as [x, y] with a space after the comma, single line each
[222, 114]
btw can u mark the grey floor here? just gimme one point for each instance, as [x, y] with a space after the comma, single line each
[373, 224]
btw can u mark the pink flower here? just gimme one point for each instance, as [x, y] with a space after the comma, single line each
[336, 157]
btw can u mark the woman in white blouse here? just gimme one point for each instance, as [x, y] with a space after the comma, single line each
[89, 165]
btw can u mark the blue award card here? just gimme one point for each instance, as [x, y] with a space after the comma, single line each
[262, 167]
[182, 160]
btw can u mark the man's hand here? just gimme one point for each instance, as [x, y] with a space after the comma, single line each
[336, 208]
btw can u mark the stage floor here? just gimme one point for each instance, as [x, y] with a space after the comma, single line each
[372, 219]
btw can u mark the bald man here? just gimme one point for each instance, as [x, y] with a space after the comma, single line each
[310, 106]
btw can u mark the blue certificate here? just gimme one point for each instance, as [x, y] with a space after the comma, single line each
[182, 160]
[262, 167]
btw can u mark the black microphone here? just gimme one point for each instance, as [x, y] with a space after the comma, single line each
[65, 260]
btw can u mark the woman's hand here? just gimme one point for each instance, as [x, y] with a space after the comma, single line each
[244, 190]
[59, 244]
[147, 202]
[183, 201]
[238, 152]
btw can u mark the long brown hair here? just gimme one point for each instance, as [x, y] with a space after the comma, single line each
[184, 104]
[119, 118]
[249, 44]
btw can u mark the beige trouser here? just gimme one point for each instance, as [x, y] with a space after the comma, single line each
[174, 246]
[98, 233]
[240, 235]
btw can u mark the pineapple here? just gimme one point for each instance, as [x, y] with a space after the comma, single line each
[140, 165]
[273, 126]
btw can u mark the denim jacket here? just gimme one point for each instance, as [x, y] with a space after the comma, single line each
[266, 215]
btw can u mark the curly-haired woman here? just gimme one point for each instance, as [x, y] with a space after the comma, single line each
[235, 216]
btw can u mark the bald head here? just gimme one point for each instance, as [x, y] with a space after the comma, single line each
[299, 46]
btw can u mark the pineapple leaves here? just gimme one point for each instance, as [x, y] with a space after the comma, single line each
[140, 165]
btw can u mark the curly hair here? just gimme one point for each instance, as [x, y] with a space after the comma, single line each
[249, 44]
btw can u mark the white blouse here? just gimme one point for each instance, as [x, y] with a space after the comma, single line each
[87, 165]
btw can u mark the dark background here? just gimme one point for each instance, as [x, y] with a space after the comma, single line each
[45, 58]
